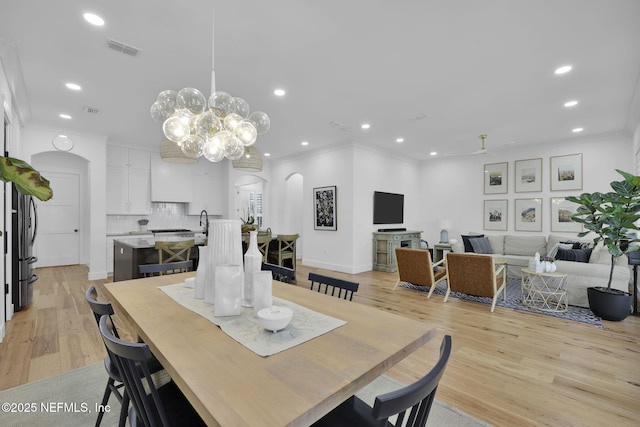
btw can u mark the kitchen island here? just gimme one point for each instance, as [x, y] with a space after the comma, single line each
[129, 253]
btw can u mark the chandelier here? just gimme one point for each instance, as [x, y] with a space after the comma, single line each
[219, 128]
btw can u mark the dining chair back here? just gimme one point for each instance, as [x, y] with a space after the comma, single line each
[477, 275]
[415, 267]
[411, 403]
[149, 270]
[263, 245]
[173, 251]
[339, 287]
[151, 406]
[285, 249]
[114, 383]
[281, 274]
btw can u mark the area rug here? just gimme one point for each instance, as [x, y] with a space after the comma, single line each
[578, 314]
[69, 400]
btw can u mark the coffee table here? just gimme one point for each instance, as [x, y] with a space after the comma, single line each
[544, 291]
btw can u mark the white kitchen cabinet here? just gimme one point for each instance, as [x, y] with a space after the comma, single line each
[128, 182]
[206, 189]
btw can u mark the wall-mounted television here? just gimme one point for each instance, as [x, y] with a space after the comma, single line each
[388, 208]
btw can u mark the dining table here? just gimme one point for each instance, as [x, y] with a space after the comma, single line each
[230, 385]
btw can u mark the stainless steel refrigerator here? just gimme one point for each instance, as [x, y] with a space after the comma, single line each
[25, 228]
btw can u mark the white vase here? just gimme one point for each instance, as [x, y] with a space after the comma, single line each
[201, 272]
[252, 265]
[225, 247]
[262, 291]
[228, 290]
[551, 267]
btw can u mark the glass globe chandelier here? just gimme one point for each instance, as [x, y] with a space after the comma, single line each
[219, 128]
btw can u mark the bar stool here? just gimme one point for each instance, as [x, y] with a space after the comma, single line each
[176, 250]
[286, 249]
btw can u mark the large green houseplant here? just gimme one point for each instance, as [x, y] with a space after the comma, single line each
[612, 218]
[27, 180]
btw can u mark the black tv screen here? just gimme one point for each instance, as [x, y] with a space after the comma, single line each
[388, 208]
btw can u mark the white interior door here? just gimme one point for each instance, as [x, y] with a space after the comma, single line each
[58, 239]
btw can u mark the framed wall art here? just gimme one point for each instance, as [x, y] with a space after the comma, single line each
[528, 175]
[495, 215]
[528, 214]
[325, 208]
[495, 178]
[566, 172]
[561, 211]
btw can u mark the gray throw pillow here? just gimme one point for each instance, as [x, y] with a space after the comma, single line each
[481, 245]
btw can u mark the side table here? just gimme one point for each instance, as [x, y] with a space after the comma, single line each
[439, 249]
[544, 291]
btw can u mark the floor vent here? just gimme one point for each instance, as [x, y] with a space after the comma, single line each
[123, 48]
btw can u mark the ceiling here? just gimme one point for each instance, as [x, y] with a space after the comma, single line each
[436, 73]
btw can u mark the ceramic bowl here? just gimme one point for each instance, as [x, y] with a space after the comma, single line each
[275, 318]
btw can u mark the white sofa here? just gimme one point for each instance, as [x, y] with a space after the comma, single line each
[517, 251]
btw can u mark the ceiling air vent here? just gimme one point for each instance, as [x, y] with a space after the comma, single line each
[123, 48]
[91, 110]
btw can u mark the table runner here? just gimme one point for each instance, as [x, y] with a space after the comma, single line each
[305, 325]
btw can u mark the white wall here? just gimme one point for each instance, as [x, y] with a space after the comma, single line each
[92, 149]
[454, 187]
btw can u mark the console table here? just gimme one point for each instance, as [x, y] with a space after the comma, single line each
[385, 244]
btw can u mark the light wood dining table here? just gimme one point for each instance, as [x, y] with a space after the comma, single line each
[229, 385]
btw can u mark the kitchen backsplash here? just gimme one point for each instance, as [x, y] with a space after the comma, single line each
[163, 216]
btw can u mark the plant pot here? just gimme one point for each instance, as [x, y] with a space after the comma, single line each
[609, 304]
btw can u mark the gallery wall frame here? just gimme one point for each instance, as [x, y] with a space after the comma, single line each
[496, 178]
[325, 208]
[566, 172]
[528, 175]
[495, 215]
[561, 211]
[528, 214]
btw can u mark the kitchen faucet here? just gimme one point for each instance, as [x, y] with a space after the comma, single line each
[206, 223]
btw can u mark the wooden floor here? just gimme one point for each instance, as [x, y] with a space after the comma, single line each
[508, 368]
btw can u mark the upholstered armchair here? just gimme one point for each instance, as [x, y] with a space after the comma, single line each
[474, 274]
[415, 267]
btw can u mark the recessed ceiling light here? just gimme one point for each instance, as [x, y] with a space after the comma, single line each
[93, 19]
[563, 70]
[571, 103]
[399, 140]
[266, 154]
[365, 126]
[279, 92]
[73, 86]
[65, 116]
[305, 143]
[433, 153]
[576, 130]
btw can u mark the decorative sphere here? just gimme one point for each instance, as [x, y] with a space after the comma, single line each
[193, 146]
[161, 111]
[213, 150]
[240, 107]
[207, 124]
[168, 96]
[191, 99]
[221, 103]
[246, 133]
[186, 116]
[230, 142]
[232, 121]
[175, 129]
[260, 120]
[236, 154]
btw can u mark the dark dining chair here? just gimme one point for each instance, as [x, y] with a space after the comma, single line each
[150, 405]
[339, 287]
[281, 274]
[149, 270]
[416, 398]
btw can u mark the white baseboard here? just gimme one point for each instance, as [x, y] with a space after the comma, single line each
[97, 275]
[2, 332]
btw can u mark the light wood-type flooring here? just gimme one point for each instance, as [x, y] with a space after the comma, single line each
[508, 368]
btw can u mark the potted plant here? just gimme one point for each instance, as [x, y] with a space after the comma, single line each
[27, 180]
[612, 218]
[143, 224]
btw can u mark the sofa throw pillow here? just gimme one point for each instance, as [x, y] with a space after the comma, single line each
[467, 243]
[575, 255]
[481, 245]
[554, 250]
